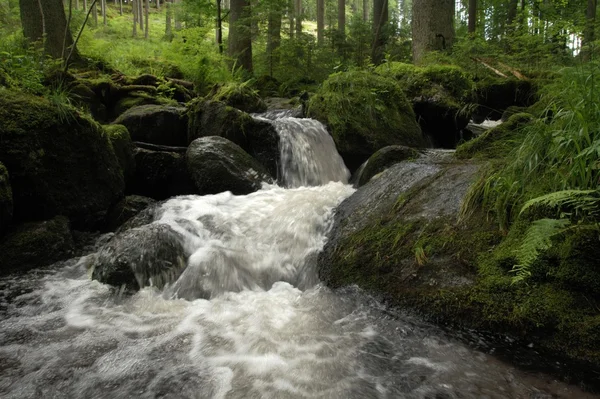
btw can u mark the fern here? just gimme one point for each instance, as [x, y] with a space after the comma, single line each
[538, 239]
[582, 204]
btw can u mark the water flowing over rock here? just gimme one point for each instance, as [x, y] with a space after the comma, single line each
[257, 324]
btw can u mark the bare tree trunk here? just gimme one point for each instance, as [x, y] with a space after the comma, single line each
[140, 4]
[177, 16]
[134, 11]
[320, 21]
[432, 26]
[219, 28]
[273, 36]
[77, 5]
[168, 28]
[121, 7]
[146, 16]
[365, 10]
[298, 10]
[95, 14]
[380, 20]
[342, 19]
[472, 17]
[104, 12]
[589, 33]
[158, 4]
[85, 5]
[240, 38]
[291, 17]
[511, 18]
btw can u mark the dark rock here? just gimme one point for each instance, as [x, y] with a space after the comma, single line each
[147, 255]
[494, 96]
[144, 217]
[216, 165]
[36, 244]
[60, 163]
[145, 79]
[6, 200]
[382, 160]
[156, 124]
[365, 112]
[120, 104]
[161, 174]
[126, 209]
[257, 138]
[123, 147]
[156, 147]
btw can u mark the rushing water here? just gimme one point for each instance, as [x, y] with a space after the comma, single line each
[246, 319]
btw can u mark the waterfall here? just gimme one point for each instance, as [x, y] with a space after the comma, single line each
[246, 319]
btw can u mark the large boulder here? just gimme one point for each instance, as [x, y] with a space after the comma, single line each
[217, 164]
[439, 95]
[156, 124]
[257, 137]
[364, 113]
[123, 146]
[161, 174]
[382, 160]
[36, 244]
[59, 161]
[239, 95]
[149, 255]
[6, 200]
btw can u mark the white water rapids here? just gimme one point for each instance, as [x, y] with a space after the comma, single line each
[269, 330]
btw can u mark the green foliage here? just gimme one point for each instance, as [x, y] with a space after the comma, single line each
[240, 95]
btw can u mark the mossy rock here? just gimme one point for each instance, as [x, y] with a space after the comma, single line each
[60, 162]
[137, 99]
[215, 118]
[36, 244]
[239, 95]
[123, 148]
[496, 142]
[439, 95]
[6, 200]
[512, 110]
[156, 124]
[495, 95]
[382, 160]
[217, 165]
[364, 113]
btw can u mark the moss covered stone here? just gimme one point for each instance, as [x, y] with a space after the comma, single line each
[36, 244]
[439, 95]
[123, 148]
[239, 95]
[156, 124]
[217, 165]
[495, 95]
[59, 161]
[6, 200]
[382, 160]
[496, 142]
[364, 113]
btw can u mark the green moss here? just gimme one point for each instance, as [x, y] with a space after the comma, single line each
[364, 113]
[383, 159]
[239, 95]
[496, 142]
[123, 146]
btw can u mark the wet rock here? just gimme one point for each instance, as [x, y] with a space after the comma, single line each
[36, 244]
[143, 256]
[382, 160]
[6, 200]
[126, 209]
[161, 174]
[217, 164]
[123, 147]
[257, 138]
[156, 124]
[364, 113]
[60, 162]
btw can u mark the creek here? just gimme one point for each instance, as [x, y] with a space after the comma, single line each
[247, 318]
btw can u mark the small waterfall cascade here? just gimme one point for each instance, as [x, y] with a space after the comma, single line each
[247, 318]
[307, 152]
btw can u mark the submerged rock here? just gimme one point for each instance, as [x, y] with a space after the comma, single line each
[6, 200]
[156, 124]
[149, 255]
[36, 244]
[216, 165]
[60, 162]
[364, 113]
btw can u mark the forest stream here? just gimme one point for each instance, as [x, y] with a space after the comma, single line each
[247, 318]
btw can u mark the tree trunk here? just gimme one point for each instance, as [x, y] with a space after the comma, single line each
[432, 26]
[168, 26]
[588, 32]
[104, 12]
[320, 21]
[77, 5]
[472, 17]
[121, 7]
[273, 37]
[178, 25]
[158, 4]
[513, 6]
[219, 27]
[146, 15]
[342, 19]
[365, 10]
[298, 12]
[134, 11]
[50, 20]
[85, 5]
[240, 38]
[95, 14]
[291, 5]
[380, 20]
[140, 11]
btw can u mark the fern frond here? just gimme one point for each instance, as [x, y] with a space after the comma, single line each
[582, 202]
[538, 239]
